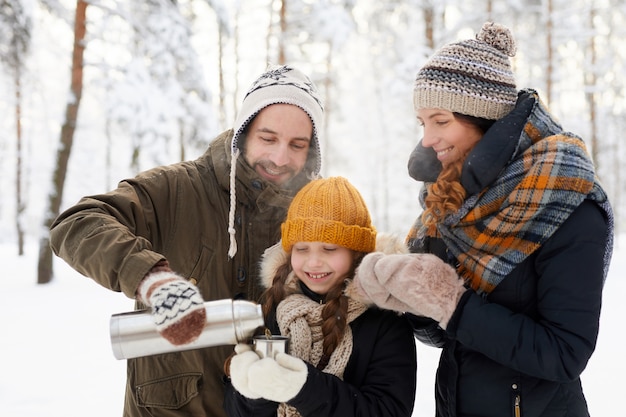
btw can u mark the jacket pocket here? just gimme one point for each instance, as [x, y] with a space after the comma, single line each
[201, 265]
[171, 392]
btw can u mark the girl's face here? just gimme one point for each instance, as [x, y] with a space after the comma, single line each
[320, 266]
[450, 137]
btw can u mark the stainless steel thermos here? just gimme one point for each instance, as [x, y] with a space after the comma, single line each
[134, 334]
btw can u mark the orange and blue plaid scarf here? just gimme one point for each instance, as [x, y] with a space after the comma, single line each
[548, 177]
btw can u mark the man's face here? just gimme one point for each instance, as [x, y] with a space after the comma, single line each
[278, 141]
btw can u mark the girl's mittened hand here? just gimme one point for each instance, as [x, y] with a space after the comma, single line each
[279, 379]
[239, 370]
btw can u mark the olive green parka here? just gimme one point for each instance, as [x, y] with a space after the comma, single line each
[179, 213]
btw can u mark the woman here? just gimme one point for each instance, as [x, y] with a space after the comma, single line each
[513, 203]
[345, 359]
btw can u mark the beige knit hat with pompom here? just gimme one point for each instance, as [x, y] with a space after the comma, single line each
[471, 77]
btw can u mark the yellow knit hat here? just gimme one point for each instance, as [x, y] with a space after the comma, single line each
[329, 210]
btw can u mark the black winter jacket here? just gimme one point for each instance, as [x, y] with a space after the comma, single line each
[379, 379]
[525, 345]
[520, 350]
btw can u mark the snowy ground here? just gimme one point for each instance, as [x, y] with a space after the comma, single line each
[56, 358]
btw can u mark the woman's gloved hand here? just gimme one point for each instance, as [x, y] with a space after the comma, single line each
[421, 284]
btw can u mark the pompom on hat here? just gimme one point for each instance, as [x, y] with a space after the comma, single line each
[471, 77]
[277, 85]
[329, 210]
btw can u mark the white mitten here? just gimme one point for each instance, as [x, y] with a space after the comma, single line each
[239, 367]
[421, 284]
[177, 306]
[278, 379]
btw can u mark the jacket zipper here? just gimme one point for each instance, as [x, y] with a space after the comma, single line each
[517, 400]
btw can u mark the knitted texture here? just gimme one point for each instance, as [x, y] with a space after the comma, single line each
[281, 85]
[548, 178]
[300, 318]
[471, 77]
[329, 210]
[238, 369]
[278, 85]
[177, 306]
[418, 283]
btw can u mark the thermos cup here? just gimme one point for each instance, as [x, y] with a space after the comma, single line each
[134, 334]
[269, 346]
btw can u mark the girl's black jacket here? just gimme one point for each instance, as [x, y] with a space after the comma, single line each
[379, 379]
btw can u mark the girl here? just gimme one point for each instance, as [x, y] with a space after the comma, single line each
[344, 359]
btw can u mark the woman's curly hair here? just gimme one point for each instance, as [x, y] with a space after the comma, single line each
[446, 195]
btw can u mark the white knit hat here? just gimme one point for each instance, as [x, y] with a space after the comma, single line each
[277, 85]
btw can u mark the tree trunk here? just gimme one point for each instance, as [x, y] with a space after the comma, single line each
[429, 25]
[268, 36]
[591, 81]
[549, 52]
[282, 20]
[236, 61]
[19, 203]
[44, 270]
[220, 64]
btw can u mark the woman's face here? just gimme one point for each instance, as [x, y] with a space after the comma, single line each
[450, 138]
[321, 266]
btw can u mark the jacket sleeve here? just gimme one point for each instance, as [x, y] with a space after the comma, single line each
[110, 237]
[557, 343]
[386, 382]
[236, 405]
[427, 330]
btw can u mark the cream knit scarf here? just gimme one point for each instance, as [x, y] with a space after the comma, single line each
[301, 318]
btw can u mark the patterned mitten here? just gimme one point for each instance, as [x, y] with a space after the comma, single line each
[278, 379]
[177, 306]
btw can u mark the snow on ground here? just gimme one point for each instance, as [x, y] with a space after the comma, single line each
[56, 358]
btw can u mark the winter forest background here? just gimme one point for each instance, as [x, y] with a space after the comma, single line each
[95, 91]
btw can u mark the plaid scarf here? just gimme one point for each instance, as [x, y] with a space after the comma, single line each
[547, 178]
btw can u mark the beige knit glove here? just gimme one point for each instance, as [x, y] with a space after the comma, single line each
[421, 284]
[177, 306]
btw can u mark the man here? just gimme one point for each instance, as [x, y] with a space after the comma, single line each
[176, 236]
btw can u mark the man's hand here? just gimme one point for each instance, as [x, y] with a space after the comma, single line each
[177, 306]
